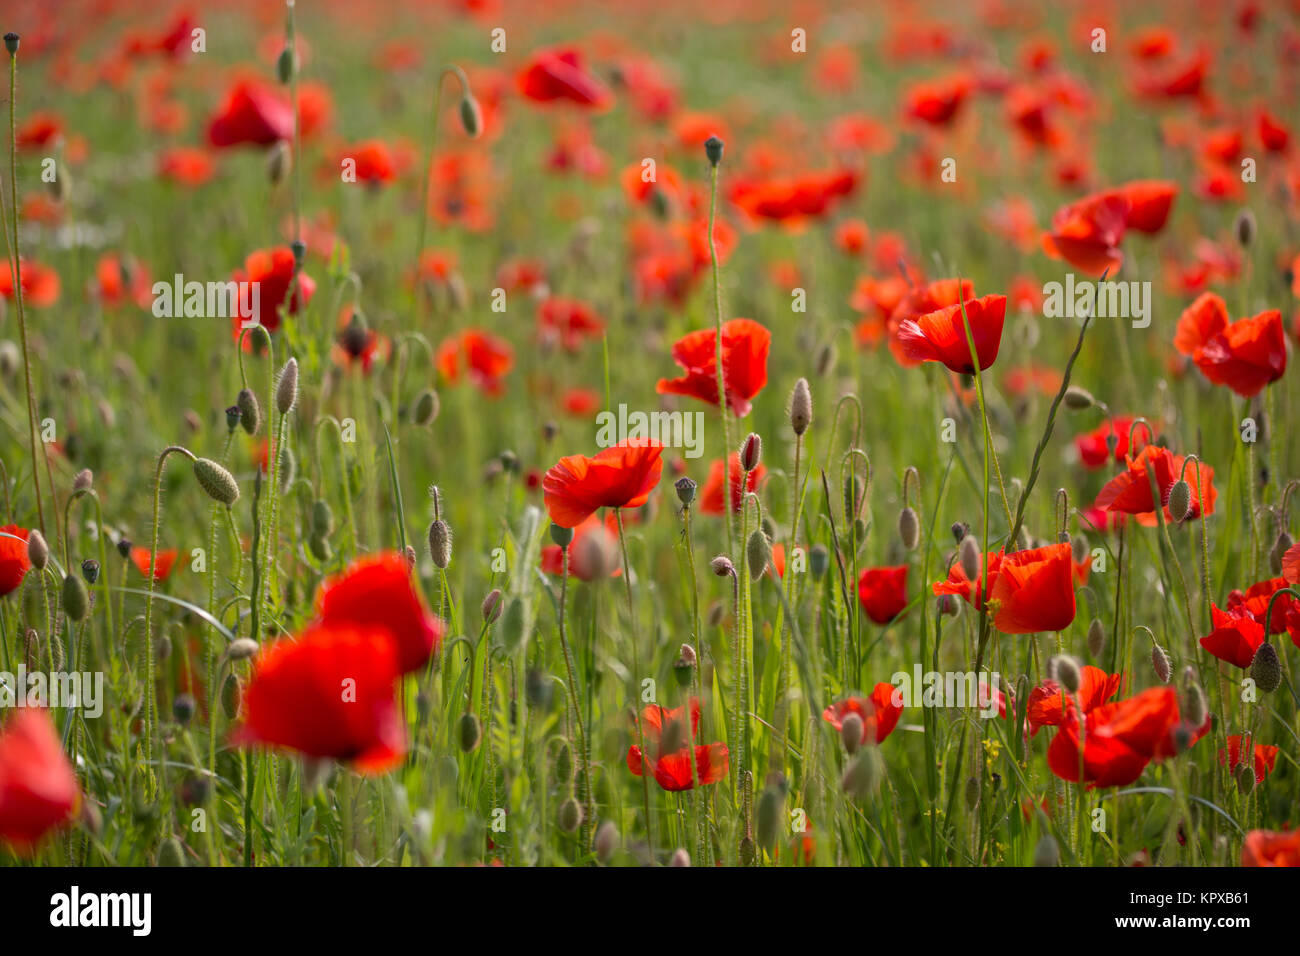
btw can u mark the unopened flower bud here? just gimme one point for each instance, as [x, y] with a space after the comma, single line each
[909, 528]
[1067, 673]
[219, 484]
[286, 388]
[722, 566]
[713, 147]
[751, 452]
[491, 606]
[38, 550]
[1266, 668]
[1077, 399]
[468, 731]
[1161, 664]
[969, 557]
[852, 730]
[440, 544]
[250, 412]
[801, 409]
[76, 599]
[758, 552]
[471, 116]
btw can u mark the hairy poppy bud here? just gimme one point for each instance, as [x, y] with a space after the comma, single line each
[758, 551]
[219, 484]
[322, 518]
[1161, 664]
[751, 451]
[1194, 709]
[801, 409]
[946, 605]
[768, 816]
[722, 566]
[1079, 547]
[286, 388]
[1077, 399]
[969, 556]
[250, 412]
[1244, 776]
[440, 544]
[606, 841]
[1046, 851]
[679, 858]
[471, 116]
[426, 408]
[1266, 668]
[713, 150]
[819, 560]
[76, 600]
[38, 551]
[851, 731]
[232, 695]
[570, 815]
[1066, 669]
[685, 488]
[1180, 500]
[909, 528]
[468, 732]
[491, 606]
[171, 853]
[84, 480]
[862, 776]
[1281, 546]
[1096, 637]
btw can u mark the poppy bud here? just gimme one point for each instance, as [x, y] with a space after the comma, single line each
[597, 553]
[1244, 776]
[862, 776]
[250, 413]
[751, 452]
[851, 731]
[278, 162]
[909, 528]
[38, 551]
[801, 407]
[1160, 663]
[183, 708]
[84, 480]
[716, 613]
[286, 388]
[561, 535]
[471, 116]
[1245, 228]
[11, 43]
[322, 518]
[1096, 637]
[319, 546]
[1180, 500]
[284, 65]
[819, 560]
[512, 624]
[509, 461]
[241, 648]
[722, 566]
[1067, 673]
[758, 551]
[1194, 708]
[232, 695]
[232, 417]
[570, 815]
[1077, 399]
[440, 544]
[713, 150]
[685, 488]
[1046, 851]
[946, 605]
[679, 858]
[969, 556]
[1079, 547]
[1266, 668]
[426, 408]
[491, 606]
[299, 249]
[959, 530]
[971, 795]
[768, 816]
[825, 363]
[124, 547]
[563, 763]
[468, 731]
[219, 484]
[606, 841]
[76, 599]
[1281, 546]
[171, 853]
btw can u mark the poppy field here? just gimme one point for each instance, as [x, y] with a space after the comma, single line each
[486, 432]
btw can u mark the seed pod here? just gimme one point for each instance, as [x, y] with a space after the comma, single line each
[1067, 673]
[219, 484]
[90, 570]
[606, 841]
[468, 731]
[38, 551]
[471, 116]
[685, 488]
[1266, 668]
[801, 409]
[713, 147]
[286, 387]
[1096, 637]
[909, 528]
[969, 556]
[440, 544]
[1077, 399]
[76, 599]
[250, 413]
[1161, 664]
[758, 551]
[232, 696]
[1046, 851]
[852, 730]
[171, 853]
[1180, 500]
[561, 535]
[426, 408]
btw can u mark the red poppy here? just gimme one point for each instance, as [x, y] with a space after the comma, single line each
[1272, 133]
[1028, 591]
[619, 477]
[1245, 355]
[790, 199]
[41, 284]
[13, 559]
[1269, 848]
[272, 270]
[38, 788]
[483, 357]
[938, 101]
[357, 345]
[883, 592]
[711, 494]
[121, 279]
[745, 345]
[879, 712]
[1095, 448]
[1235, 638]
[581, 551]
[162, 569]
[329, 693]
[1130, 491]
[1050, 706]
[668, 738]
[1265, 757]
[560, 74]
[377, 592]
[1256, 599]
[1150, 201]
[571, 321]
[941, 336]
[252, 113]
[1087, 233]
[375, 162]
[40, 131]
[186, 166]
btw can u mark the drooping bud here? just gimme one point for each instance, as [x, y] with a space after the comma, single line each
[471, 116]
[1266, 668]
[286, 388]
[38, 551]
[909, 528]
[969, 557]
[76, 599]
[84, 480]
[1281, 546]
[426, 408]
[440, 544]
[1161, 664]
[758, 552]
[1180, 500]
[801, 409]
[722, 566]
[1077, 399]
[1096, 637]
[219, 484]
[250, 412]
